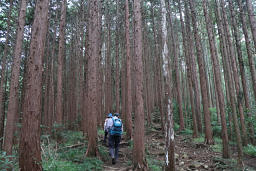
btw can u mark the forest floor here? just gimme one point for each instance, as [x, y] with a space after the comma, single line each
[68, 153]
[190, 154]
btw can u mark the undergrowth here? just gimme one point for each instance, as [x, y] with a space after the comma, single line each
[250, 150]
[69, 154]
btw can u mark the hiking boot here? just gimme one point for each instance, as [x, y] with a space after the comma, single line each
[113, 161]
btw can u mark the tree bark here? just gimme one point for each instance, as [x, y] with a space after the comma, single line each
[128, 112]
[216, 69]
[93, 56]
[177, 75]
[117, 60]
[3, 73]
[189, 74]
[61, 55]
[29, 148]
[241, 62]
[139, 147]
[229, 82]
[252, 21]
[14, 87]
[169, 134]
[203, 79]
[232, 57]
[194, 76]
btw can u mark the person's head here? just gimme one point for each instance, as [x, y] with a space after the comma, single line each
[110, 115]
[116, 114]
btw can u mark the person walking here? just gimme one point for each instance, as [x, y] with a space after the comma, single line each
[107, 125]
[116, 131]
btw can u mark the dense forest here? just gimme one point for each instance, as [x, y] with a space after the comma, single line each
[180, 74]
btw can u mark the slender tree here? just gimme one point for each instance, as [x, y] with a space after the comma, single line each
[216, 69]
[203, 79]
[29, 148]
[13, 99]
[92, 78]
[128, 100]
[252, 21]
[229, 82]
[139, 147]
[3, 72]
[59, 100]
[192, 59]
[189, 74]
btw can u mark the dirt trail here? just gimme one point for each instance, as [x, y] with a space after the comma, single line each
[189, 155]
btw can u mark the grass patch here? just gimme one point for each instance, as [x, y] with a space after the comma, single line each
[186, 132]
[250, 150]
[65, 157]
[217, 148]
[198, 140]
[101, 132]
[154, 164]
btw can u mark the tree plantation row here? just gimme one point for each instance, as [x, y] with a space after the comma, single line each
[66, 64]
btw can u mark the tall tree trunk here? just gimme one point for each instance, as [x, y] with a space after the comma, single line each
[93, 56]
[229, 83]
[128, 112]
[203, 79]
[14, 87]
[193, 67]
[247, 41]
[108, 90]
[177, 75]
[3, 73]
[139, 147]
[216, 69]
[169, 134]
[117, 60]
[240, 59]
[29, 148]
[232, 57]
[189, 74]
[61, 55]
[252, 21]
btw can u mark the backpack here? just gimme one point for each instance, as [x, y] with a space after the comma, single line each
[117, 127]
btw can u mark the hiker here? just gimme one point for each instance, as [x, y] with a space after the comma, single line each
[116, 131]
[107, 126]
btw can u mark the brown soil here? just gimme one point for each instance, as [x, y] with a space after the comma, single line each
[189, 155]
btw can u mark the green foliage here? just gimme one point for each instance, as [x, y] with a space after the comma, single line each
[187, 132]
[6, 162]
[130, 142]
[217, 148]
[66, 157]
[104, 153]
[198, 140]
[72, 137]
[87, 165]
[176, 127]
[225, 164]
[101, 132]
[250, 150]
[154, 164]
[216, 128]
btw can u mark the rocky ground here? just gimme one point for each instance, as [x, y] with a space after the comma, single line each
[189, 154]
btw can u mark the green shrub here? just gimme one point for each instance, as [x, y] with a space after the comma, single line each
[250, 149]
[101, 132]
[217, 148]
[198, 140]
[91, 164]
[154, 164]
[6, 162]
[187, 132]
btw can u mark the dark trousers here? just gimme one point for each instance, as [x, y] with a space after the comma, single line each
[105, 137]
[114, 141]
